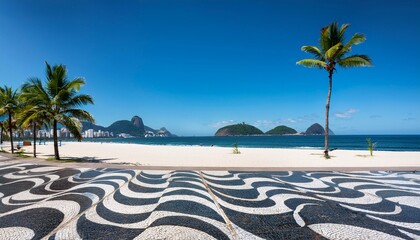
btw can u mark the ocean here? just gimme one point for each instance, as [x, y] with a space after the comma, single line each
[344, 142]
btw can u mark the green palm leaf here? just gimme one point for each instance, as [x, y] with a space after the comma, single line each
[324, 40]
[78, 100]
[314, 51]
[355, 40]
[75, 84]
[312, 63]
[333, 51]
[80, 114]
[73, 125]
[334, 35]
[355, 61]
[343, 30]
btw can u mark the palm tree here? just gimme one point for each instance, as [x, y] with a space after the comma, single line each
[9, 100]
[1, 131]
[58, 101]
[32, 116]
[333, 51]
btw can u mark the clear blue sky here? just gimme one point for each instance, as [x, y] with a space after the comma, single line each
[194, 65]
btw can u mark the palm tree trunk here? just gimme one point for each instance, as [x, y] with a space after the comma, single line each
[57, 156]
[327, 114]
[34, 139]
[11, 131]
[1, 135]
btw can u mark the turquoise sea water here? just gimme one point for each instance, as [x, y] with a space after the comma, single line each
[355, 142]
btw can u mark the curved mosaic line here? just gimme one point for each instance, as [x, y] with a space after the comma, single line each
[82, 203]
[164, 202]
[294, 197]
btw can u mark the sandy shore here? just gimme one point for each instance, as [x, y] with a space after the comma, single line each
[198, 156]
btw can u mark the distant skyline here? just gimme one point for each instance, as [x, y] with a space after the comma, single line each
[193, 66]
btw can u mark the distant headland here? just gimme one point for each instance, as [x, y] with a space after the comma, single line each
[243, 129]
[125, 129]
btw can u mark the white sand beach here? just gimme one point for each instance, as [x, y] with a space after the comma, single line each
[200, 156]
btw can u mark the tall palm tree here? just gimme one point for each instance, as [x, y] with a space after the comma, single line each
[58, 101]
[334, 51]
[9, 100]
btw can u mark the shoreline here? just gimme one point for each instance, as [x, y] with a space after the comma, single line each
[386, 144]
[166, 156]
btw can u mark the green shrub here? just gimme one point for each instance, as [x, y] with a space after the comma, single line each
[235, 149]
[371, 146]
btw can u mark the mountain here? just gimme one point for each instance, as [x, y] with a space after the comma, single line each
[135, 128]
[317, 129]
[138, 122]
[125, 126]
[281, 130]
[146, 128]
[88, 125]
[163, 131]
[241, 129]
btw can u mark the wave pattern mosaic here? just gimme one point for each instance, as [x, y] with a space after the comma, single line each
[79, 203]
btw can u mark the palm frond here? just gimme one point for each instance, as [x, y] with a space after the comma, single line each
[9, 99]
[31, 114]
[56, 79]
[73, 125]
[26, 117]
[334, 36]
[31, 83]
[312, 63]
[343, 31]
[33, 93]
[80, 114]
[52, 86]
[68, 91]
[355, 61]
[75, 84]
[48, 70]
[324, 40]
[332, 52]
[314, 51]
[60, 73]
[356, 39]
[78, 101]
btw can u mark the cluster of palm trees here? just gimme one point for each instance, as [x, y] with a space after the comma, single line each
[37, 104]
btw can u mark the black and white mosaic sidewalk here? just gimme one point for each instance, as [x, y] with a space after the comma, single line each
[50, 202]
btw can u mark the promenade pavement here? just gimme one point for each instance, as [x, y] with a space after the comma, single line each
[54, 201]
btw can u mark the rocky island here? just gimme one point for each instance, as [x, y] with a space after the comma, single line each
[243, 129]
[240, 129]
[282, 130]
[317, 129]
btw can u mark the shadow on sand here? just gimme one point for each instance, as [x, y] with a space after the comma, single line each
[78, 159]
